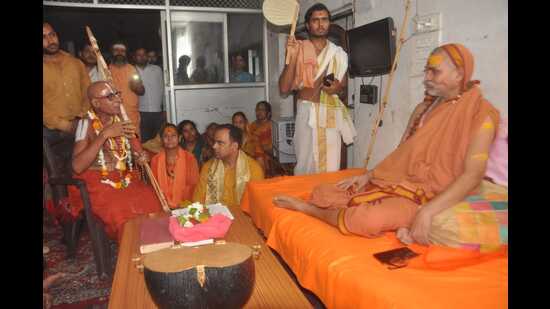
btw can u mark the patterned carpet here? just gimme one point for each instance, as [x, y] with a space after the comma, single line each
[82, 287]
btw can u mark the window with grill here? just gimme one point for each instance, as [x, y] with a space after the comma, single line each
[246, 48]
[198, 47]
[243, 4]
[72, 1]
[234, 4]
[199, 51]
[133, 2]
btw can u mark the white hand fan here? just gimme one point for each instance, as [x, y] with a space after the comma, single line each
[282, 13]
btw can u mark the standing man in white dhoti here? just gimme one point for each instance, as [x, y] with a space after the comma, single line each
[322, 119]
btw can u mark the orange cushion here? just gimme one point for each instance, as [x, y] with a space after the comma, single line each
[341, 270]
[343, 273]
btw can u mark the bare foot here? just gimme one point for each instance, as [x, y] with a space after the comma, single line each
[289, 202]
[46, 301]
[404, 235]
[46, 283]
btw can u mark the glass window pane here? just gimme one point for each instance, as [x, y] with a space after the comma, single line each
[246, 47]
[197, 47]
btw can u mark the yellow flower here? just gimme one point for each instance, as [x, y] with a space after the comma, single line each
[185, 203]
[96, 124]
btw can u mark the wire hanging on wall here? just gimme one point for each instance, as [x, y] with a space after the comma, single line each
[379, 92]
[353, 10]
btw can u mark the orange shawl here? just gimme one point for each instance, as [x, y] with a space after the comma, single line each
[306, 65]
[433, 157]
[187, 176]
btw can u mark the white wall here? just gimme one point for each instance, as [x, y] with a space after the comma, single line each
[207, 105]
[281, 107]
[481, 25]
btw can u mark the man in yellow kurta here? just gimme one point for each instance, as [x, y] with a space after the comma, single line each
[224, 178]
[127, 81]
[64, 102]
[65, 82]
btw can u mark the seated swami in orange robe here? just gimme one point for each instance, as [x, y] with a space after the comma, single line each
[175, 169]
[441, 160]
[106, 155]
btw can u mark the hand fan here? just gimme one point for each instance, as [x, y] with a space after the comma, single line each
[282, 13]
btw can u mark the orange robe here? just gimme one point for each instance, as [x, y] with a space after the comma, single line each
[423, 165]
[251, 146]
[262, 132]
[114, 206]
[262, 135]
[186, 170]
[121, 78]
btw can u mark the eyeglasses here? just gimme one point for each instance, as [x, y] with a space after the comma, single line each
[110, 96]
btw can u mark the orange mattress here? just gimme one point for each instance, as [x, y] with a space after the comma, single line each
[341, 270]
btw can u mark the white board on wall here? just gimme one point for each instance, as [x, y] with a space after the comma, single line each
[207, 105]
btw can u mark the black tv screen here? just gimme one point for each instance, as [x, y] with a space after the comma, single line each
[371, 48]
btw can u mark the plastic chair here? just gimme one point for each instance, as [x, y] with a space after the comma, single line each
[71, 230]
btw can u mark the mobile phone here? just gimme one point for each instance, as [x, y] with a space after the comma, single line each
[327, 78]
[395, 258]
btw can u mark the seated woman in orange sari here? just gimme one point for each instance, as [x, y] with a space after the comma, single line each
[250, 146]
[261, 129]
[176, 169]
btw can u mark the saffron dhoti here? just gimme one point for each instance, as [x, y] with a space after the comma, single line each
[114, 206]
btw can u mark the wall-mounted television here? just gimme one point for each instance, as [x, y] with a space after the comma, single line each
[371, 48]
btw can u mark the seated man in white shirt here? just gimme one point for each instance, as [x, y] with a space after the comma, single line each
[151, 104]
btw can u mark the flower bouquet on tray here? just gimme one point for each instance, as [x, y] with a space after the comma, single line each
[196, 222]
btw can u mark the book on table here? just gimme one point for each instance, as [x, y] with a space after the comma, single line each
[155, 235]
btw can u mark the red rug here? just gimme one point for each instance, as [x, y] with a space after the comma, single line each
[81, 289]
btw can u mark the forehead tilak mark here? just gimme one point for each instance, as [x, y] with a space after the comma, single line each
[435, 60]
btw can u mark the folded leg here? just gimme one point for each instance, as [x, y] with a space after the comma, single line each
[374, 219]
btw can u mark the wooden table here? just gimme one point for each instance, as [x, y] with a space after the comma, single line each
[273, 288]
